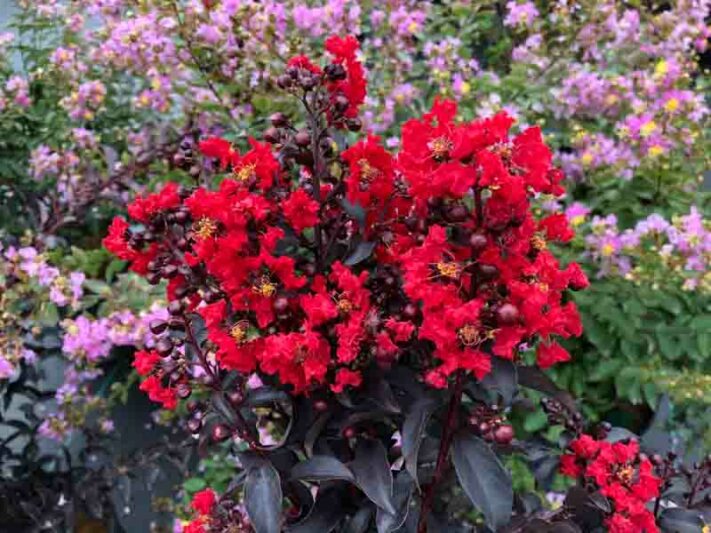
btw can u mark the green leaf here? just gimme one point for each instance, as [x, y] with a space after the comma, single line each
[194, 484]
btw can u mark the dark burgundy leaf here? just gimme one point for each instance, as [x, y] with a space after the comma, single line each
[402, 493]
[372, 473]
[361, 253]
[679, 520]
[321, 467]
[413, 431]
[483, 478]
[262, 498]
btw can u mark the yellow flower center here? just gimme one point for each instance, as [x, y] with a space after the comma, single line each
[367, 171]
[448, 269]
[577, 220]
[672, 105]
[245, 172]
[647, 128]
[265, 288]
[655, 150]
[608, 250]
[538, 242]
[440, 147]
[469, 335]
[238, 332]
[625, 474]
[344, 305]
[205, 228]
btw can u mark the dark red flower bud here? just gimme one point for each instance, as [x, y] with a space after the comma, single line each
[504, 434]
[164, 347]
[507, 314]
[477, 242]
[220, 432]
[281, 304]
[235, 397]
[279, 120]
[302, 138]
[487, 272]
[271, 135]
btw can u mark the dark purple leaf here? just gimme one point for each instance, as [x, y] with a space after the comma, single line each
[483, 478]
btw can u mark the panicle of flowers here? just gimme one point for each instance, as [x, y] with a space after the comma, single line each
[444, 260]
[652, 249]
[620, 473]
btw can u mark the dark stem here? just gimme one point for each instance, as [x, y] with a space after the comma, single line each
[478, 205]
[216, 384]
[318, 172]
[700, 475]
[444, 445]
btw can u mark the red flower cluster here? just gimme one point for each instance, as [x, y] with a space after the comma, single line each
[345, 78]
[622, 475]
[203, 504]
[448, 262]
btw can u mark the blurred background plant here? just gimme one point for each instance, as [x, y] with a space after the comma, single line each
[98, 95]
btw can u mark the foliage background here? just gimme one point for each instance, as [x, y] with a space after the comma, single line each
[97, 95]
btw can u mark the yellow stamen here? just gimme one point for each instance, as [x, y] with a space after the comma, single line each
[344, 305]
[671, 105]
[205, 228]
[469, 335]
[448, 269]
[245, 172]
[538, 242]
[265, 288]
[647, 128]
[440, 147]
[238, 332]
[367, 171]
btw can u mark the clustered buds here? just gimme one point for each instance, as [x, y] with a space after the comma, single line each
[560, 414]
[490, 423]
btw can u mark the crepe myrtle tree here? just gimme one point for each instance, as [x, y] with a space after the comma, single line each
[359, 326]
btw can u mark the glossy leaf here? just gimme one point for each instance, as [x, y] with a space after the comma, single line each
[483, 478]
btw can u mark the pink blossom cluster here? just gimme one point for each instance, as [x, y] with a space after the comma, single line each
[681, 246]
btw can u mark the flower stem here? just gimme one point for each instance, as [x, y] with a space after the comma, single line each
[444, 446]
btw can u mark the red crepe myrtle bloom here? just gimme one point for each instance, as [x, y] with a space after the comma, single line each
[449, 261]
[622, 475]
[115, 241]
[300, 210]
[344, 50]
[344, 378]
[549, 354]
[142, 208]
[204, 501]
[144, 361]
[158, 393]
[217, 148]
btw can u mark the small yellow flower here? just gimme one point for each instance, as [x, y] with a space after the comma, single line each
[655, 150]
[586, 158]
[671, 105]
[465, 87]
[661, 69]
[413, 27]
[608, 250]
[647, 128]
[577, 220]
